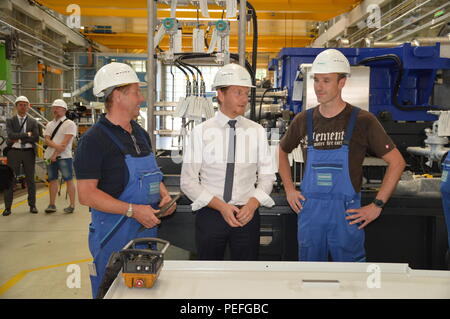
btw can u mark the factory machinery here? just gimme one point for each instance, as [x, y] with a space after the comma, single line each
[405, 87]
[400, 85]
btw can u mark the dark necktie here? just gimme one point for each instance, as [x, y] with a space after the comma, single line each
[22, 119]
[228, 189]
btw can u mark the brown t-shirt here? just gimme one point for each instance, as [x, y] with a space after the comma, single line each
[369, 137]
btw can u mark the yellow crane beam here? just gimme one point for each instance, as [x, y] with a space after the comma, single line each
[191, 14]
[301, 6]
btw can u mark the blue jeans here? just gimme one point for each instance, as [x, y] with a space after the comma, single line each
[64, 165]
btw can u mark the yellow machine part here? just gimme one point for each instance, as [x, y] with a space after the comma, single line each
[134, 280]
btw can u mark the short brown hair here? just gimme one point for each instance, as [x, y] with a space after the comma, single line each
[109, 99]
[223, 89]
[341, 76]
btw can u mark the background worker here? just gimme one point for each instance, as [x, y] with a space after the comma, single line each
[23, 134]
[226, 156]
[117, 174]
[59, 135]
[335, 137]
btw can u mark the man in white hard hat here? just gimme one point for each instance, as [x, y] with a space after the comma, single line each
[23, 134]
[117, 173]
[224, 158]
[59, 135]
[335, 137]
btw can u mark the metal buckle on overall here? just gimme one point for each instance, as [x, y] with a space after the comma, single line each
[92, 269]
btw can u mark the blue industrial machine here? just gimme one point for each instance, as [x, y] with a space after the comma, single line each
[406, 87]
[401, 78]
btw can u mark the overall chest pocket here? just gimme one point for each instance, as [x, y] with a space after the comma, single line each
[148, 184]
[327, 177]
[445, 171]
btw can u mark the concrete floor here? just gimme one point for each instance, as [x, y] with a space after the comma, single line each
[46, 255]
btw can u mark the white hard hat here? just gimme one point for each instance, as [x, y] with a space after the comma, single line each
[330, 61]
[59, 102]
[21, 99]
[112, 75]
[232, 74]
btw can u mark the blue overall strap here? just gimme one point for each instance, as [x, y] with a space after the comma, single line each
[350, 125]
[112, 137]
[309, 126]
[121, 220]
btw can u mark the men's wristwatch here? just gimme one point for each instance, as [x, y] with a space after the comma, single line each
[378, 202]
[130, 211]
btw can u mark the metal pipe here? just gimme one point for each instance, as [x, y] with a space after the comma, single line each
[422, 26]
[83, 89]
[42, 50]
[151, 71]
[386, 44]
[430, 41]
[433, 21]
[421, 151]
[343, 43]
[432, 154]
[29, 35]
[370, 43]
[41, 89]
[75, 84]
[44, 58]
[393, 21]
[281, 94]
[27, 71]
[19, 80]
[242, 30]
[393, 12]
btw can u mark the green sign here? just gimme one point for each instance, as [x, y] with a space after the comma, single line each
[5, 72]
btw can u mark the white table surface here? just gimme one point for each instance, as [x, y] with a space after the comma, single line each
[188, 279]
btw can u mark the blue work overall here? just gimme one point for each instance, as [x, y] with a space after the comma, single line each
[323, 231]
[445, 192]
[108, 232]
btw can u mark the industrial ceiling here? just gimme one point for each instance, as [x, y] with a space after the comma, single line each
[283, 23]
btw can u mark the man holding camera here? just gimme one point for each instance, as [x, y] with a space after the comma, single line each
[59, 135]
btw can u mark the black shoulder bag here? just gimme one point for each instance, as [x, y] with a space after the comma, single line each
[55, 131]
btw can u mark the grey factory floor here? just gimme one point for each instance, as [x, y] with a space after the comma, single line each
[42, 255]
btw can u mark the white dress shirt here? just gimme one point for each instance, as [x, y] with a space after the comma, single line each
[24, 129]
[67, 128]
[205, 161]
